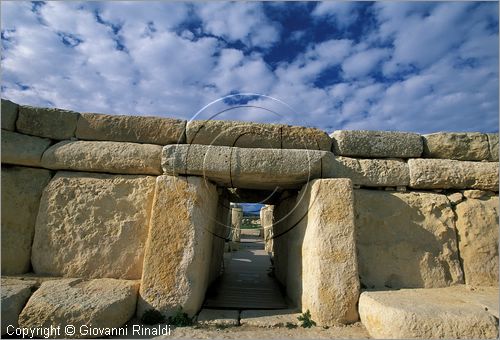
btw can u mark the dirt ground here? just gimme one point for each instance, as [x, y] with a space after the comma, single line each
[355, 331]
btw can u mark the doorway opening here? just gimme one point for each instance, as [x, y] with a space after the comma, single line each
[247, 279]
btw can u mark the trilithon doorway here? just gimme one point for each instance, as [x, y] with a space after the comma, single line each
[247, 280]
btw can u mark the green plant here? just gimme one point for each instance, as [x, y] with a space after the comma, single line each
[152, 317]
[180, 319]
[305, 320]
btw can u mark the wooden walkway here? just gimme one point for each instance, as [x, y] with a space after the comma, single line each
[245, 283]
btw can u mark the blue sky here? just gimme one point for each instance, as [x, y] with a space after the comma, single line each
[410, 66]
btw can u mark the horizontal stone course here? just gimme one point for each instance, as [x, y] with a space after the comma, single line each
[135, 129]
[376, 144]
[15, 293]
[46, 122]
[371, 172]
[109, 157]
[256, 135]
[466, 146]
[9, 115]
[23, 149]
[453, 174]
[246, 168]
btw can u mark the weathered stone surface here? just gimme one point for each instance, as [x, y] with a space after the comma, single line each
[471, 146]
[452, 174]
[185, 234]
[233, 133]
[236, 218]
[23, 149]
[456, 198]
[372, 172]
[93, 225]
[269, 318]
[266, 220]
[15, 293]
[218, 317]
[493, 144]
[299, 137]
[406, 240]
[100, 303]
[247, 168]
[113, 157]
[135, 129]
[361, 143]
[477, 225]
[21, 191]
[44, 122]
[478, 194]
[322, 271]
[256, 135]
[9, 115]
[222, 231]
[427, 314]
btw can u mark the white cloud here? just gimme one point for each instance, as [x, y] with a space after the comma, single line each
[342, 13]
[362, 63]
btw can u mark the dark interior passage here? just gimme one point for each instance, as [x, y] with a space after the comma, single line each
[247, 281]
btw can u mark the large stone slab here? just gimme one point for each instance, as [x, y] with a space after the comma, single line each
[23, 149]
[493, 143]
[448, 313]
[381, 144]
[9, 115]
[406, 240]
[256, 135]
[184, 233]
[477, 226]
[111, 157]
[247, 168]
[135, 129]
[322, 270]
[96, 304]
[465, 146]
[44, 122]
[15, 293]
[21, 191]
[453, 174]
[93, 225]
[372, 172]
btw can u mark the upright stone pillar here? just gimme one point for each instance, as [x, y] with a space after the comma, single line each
[236, 217]
[266, 221]
[221, 232]
[179, 246]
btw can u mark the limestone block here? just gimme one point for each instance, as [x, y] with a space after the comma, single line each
[493, 144]
[406, 240]
[21, 191]
[381, 144]
[477, 226]
[112, 157]
[100, 303]
[256, 135]
[453, 174]
[372, 172]
[44, 122]
[218, 317]
[269, 318]
[456, 198]
[15, 293]
[299, 137]
[426, 314]
[478, 194]
[9, 115]
[23, 149]
[470, 146]
[221, 234]
[233, 133]
[93, 225]
[185, 234]
[134, 129]
[247, 168]
[322, 263]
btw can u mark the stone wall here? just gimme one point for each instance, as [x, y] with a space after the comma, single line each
[96, 196]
